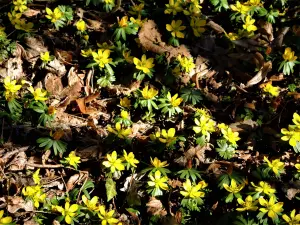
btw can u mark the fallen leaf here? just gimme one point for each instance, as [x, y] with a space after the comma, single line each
[18, 163]
[56, 67]
[244, 126]
[291, 192]
[15, 203]
[31, 12]
[216, 27]
[155, 207]
[53, 84]
[262, 73]
[73, 180]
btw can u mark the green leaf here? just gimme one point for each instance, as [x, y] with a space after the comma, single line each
[110, 186]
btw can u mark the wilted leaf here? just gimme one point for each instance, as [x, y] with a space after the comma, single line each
[155, 207]
[262, 73]
[16, 203]
[110, 186]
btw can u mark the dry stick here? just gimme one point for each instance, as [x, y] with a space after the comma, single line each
[44, 166]
[82, 187]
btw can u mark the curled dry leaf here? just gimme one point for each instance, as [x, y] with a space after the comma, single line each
[31, 12]
[18, 163]
[13, 68]
[267, 29]
[56, 67]
[155, 207]
[150, 39]
[34, 45]
[15, 203]
[216, 27]
[244, 126]
[53, 84]
[262, 73]
[291, 192]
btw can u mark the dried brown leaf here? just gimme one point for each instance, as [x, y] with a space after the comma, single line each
[267, 29]
[53, 84]
[16, 203]
[155, 207]
[262, 73]
[31, 12]
[216, 27]
[18, 163]
[244, 126]
[291, 192]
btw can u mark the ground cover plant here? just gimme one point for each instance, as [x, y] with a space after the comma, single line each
[149, 112]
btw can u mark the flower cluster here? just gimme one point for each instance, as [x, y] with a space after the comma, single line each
[292, 134]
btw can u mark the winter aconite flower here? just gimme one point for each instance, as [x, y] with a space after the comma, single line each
[35, 193]
[292, 134]
[125, 102]
[248, 204]
[192, 191]
[45, 57]
[198, 25]
[91, 204]
[5, 220]
[234, 188]
[73, 160]
[107, 217]
[144, 64]
[158, 183]
[149, 93]
[249, 24]
[38, 94]
[113, 162]
[289, 55]
[275, 165]
[174, 100]
[204, 125]
[273, 91]
[23, 25]
[81, 26]
[293, 219]
[264, 187]
[273, 209]
[119, 131]
[130, 159]
[158, 164]
[11, 88]
[53, 15]
[230, 136]
[238, 7]
[20, 5]
[166, 137]
[102, 57]
[173, 7]
[69, 212]
[123, 22]
[175, 28]
[186, 63]
[297, 166]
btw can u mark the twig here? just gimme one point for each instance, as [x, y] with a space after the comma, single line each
[10, 154]
[80, 190]
[44, 166]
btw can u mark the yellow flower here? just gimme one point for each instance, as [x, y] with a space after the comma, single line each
[248, 204]
[120, 132]
[81, 25]
[174, 101]
[87, 53]
[191, 191]
[293, 220]
[296, 119]
[167, 137]
[20, 5]
[113, 162]
[38, 94]
[53, 15]
[10, 86]
[270, 207]
[264, 187]
[149, 93]
[109, 1]
[292, 135]
[186, 63]
[124, 114]
[230, 136]
[238, 7]
[136, 9]
[35, 193]
[107, 216]
[249, 24]
[102, 57]
[232, 36]
[86, 37]
[193, 10]
[144, 64]
[91, 204]
[175, 28]
[173, 7]
[253, 3]
[14, 17]
[45, 57]
[125, 102]
[197, 25]
[157, 181]
[35, 176]
[205, 125]
[23, 25]
[158, 164]
[274, 91]
[297, 166]
[289, 55]
[223, 126]
[275, 165]
[123, 22]
[130, 158]
[5, 220]
[69, 212]
[128, 58]
[73, 160]
[233, 188]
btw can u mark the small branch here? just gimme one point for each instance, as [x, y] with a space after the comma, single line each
[44, 166]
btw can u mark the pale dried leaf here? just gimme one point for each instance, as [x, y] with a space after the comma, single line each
[155, 207]
[262, 73]
[16, 203]
[53, 84]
